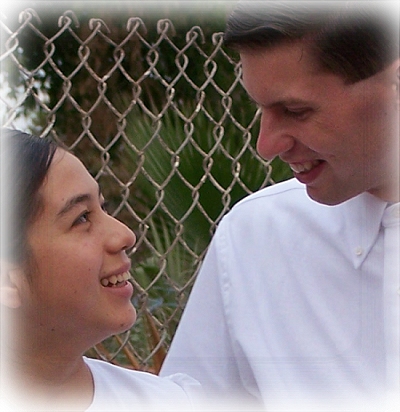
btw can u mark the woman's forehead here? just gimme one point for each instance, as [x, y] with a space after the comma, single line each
[67, 177]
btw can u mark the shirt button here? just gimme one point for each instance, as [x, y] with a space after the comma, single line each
[359, 251]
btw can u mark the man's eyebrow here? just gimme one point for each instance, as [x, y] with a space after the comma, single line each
[252, 100]
[76, 200]
[282, 102]
[291, 101]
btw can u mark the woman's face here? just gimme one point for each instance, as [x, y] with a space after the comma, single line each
[78, 253]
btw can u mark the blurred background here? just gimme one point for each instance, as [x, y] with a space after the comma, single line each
[148, 97]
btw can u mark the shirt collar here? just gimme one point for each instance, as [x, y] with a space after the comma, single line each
[363, 217]
[391, 216]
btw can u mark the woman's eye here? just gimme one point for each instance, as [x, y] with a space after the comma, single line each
[83, 218]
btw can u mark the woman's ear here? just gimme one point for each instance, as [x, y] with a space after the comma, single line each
[12, 279]
[396, 79]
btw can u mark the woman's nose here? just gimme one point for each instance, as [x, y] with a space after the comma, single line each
[273, 138]
[121, 237]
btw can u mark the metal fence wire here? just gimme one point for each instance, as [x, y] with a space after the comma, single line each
[160, 118]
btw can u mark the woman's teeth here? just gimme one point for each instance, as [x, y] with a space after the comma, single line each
[304, 167]
[115, 280]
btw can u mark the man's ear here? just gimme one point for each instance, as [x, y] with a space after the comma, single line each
[12, 279]
[398, 80]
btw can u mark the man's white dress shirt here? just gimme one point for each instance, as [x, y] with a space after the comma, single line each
[294, 306]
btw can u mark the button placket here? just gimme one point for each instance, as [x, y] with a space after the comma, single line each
[390, 223]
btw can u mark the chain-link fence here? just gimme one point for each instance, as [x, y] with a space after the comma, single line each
[158, 114]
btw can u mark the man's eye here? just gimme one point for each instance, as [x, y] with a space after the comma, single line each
[296, 113]
[104, 207]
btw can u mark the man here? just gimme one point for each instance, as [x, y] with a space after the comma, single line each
[297, 302]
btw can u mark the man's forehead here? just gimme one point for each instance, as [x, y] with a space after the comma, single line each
[278, 75]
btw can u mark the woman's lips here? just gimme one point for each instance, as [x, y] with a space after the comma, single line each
[116, 280]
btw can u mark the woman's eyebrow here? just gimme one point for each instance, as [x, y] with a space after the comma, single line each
[76, 200]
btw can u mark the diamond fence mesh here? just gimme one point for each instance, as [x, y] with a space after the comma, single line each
[158, 114]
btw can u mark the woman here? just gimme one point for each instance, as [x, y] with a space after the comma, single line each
[64, 288]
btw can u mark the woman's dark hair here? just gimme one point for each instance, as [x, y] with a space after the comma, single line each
[25, 161]
[352, 39]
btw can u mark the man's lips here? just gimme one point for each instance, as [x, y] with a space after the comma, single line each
[304, 167]
[307, 172]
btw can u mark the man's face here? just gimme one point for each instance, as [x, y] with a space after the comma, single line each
[339, 139]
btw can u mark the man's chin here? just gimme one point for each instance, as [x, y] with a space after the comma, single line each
[328, 198]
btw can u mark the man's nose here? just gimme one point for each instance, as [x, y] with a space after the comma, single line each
[274, 137]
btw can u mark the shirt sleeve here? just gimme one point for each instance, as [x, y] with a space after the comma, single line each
[202, 346]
